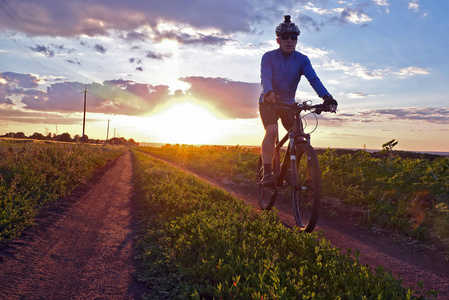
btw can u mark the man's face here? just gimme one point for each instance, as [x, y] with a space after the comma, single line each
[287, 42]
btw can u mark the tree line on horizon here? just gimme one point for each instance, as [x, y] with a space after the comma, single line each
[66, 137]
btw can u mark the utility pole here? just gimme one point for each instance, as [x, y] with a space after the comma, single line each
[83, 139]
[107, 133]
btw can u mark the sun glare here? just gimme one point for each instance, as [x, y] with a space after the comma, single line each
[186, 123]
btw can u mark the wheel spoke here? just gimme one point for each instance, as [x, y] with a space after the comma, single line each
[306, 196]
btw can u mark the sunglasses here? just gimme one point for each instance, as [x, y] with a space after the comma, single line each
[294, 37]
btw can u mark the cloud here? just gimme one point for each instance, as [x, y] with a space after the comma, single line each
[308, 23]
[233, 98]
[414, 115]
[350, 15]
[4, 100]
[74, 61]
[320, 10]
[357, 95]
[112, 97]
[43, 49]
[135, 35]
[135, 60]
[355, 69]
[413, 5]
[157, 56]
[410, 71]
[100, 49]
[355, 16]
[11, 79]
[191, 39]
[381, 2]
[34, 117]
[74, 18]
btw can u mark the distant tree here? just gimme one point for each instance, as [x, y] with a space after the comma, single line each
[117, 141]
[37, 136]
[77, 138]
[122, 141]
[9, 135]
[65, 137]
[20, 135]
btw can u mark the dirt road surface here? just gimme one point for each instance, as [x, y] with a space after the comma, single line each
[82, 246]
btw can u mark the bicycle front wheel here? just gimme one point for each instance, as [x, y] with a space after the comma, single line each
[266, 195]
[306, 193]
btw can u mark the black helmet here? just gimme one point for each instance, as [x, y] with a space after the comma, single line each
[287, 27]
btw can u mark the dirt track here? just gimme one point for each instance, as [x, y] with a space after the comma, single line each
[82, 246]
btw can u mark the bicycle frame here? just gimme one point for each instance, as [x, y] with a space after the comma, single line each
[295, 134]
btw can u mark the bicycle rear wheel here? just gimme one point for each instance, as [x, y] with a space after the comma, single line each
[306, 194]
[266, 195]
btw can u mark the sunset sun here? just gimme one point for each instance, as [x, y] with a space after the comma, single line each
[186, 123]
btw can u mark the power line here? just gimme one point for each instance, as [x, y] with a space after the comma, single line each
[25, 29]
[93, 101]
[17, 18]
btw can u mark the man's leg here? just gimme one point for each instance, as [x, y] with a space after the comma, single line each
[271, 132]
[269, 119]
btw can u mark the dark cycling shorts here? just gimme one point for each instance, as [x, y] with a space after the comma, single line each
[270, 116]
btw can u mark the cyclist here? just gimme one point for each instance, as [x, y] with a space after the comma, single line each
[280, 73]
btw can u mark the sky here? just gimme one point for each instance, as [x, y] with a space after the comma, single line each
[189, 71]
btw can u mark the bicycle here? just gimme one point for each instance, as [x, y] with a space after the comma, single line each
[305, 172]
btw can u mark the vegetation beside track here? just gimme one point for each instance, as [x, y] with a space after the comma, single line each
[408, 195]
[35, 173]
[202, 243]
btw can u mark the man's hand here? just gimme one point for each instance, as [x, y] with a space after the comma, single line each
[270, 97]
[330, 104]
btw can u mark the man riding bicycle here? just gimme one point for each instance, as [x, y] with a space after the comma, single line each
[280, 73]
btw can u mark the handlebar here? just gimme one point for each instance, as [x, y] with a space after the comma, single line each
[305, 105]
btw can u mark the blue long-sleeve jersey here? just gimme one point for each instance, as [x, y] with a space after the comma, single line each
[281, 73]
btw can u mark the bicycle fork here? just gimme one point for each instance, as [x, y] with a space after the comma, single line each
[292, 148]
